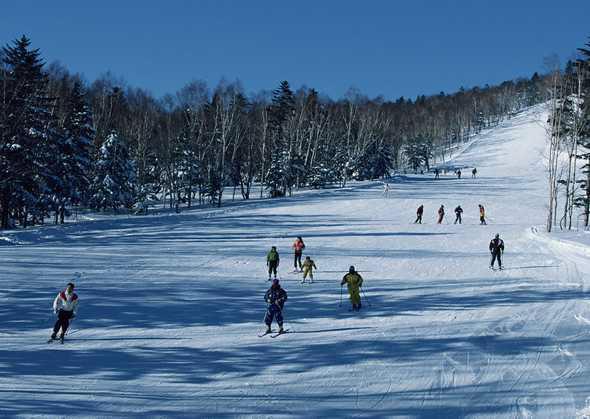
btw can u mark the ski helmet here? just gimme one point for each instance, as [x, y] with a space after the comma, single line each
[275, 282]
[351, 270]
[497, 236]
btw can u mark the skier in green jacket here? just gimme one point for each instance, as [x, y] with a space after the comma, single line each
[272, 261]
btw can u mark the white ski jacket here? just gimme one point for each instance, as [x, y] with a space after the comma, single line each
[65, 301]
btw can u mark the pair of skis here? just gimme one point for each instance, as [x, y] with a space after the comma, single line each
[51, 340]
[274, 335]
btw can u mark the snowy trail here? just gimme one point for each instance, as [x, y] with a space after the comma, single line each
[172, 305]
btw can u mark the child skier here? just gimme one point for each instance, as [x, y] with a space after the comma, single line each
[419, 213]
[65, 306]
[272, 261]
[458, 212]
[354, 282]
[441, 214]
[298, 247]
[308, 267]
[275, 297]
[496, 249]
[482, 215]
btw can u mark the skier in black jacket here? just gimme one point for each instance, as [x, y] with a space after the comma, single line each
[496, 249]
[275, 297]
[419, 213]
[458, 212]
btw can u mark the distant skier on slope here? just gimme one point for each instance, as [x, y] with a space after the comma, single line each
[482, 215]
[386, 190]
[354, 282]
[474, 172]
[458, 212]
[436, 173]
[308, 267]
[459, 174]
[441, 214]
[497, 250]
[65, 306]
[298, 247]
[272, 261]
[419, 213]
[275, 297]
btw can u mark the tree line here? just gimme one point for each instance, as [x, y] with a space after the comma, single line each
[569, 142]
[66, 143]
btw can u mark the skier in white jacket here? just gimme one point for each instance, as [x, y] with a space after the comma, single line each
[65, 306]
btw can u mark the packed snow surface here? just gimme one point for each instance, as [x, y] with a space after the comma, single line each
[171, 305]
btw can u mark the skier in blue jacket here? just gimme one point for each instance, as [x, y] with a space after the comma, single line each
[275, 297]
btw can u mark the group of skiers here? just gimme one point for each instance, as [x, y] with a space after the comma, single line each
[457, 172]
[276, 296]
[458, 214]
[307, 266]
[65, 304]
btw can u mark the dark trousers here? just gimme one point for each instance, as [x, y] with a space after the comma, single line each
[298, 260]
[418, 219]
[63, 322]
[496, 256]
[272, 267]
[482, 220]
[273, 312]
[458, 219]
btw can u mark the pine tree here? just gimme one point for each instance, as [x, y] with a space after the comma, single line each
[27, 134]
[114, 176]
[280, 177]
[77, 150]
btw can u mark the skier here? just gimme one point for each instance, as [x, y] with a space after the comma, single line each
[473, 173]
[459, 174]
[298, 246]
[386, 190]
[441, 214]
[308, 267]
[419, 213]
[497, 250]
[275, 297]
[272, 261]
[65, 306]
[458, 212]
[354, 282]
[482, 215]
[436, 173]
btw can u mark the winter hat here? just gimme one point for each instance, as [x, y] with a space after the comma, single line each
[275, 281]
[497, 236]
[70, 285]
[351, 270]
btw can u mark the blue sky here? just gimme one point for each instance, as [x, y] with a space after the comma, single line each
[390, 48]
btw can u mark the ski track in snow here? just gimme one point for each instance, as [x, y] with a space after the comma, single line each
[171, 306]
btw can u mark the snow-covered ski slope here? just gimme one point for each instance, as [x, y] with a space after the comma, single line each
[171, 306]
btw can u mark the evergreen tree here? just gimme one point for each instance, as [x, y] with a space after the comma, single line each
[280, 177]
[114, 176]
[77, 150]
[27, 133]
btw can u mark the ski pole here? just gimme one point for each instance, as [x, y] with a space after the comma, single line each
[340, 304]
[365, 297]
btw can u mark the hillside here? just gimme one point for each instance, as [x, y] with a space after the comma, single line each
[171, 305]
